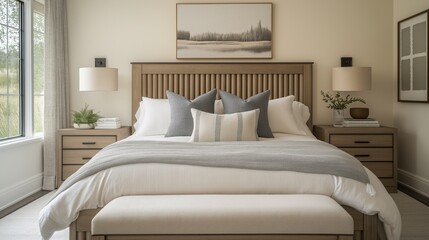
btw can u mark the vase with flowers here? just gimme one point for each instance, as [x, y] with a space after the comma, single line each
[338, 104]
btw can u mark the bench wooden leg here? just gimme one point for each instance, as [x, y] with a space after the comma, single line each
[72, 231]
[225, 237]
[370, 227]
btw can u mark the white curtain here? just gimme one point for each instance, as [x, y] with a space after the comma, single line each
[57, 95]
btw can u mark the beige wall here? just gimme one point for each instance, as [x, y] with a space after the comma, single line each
[411, 119]
[304, 30]
[20, 170]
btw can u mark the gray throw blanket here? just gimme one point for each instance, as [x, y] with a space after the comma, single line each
[300, 156]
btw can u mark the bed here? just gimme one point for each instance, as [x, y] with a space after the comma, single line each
[244, 80]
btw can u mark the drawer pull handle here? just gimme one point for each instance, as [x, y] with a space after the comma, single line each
[362, 155]
[362, 141]
[88, 143]
[86, 158]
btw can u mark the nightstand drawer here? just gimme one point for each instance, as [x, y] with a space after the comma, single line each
[381, 169]
[76, 147]
[78, 156]
[87, 141]
[69, 170]
[375, 147]
[371, 154]
[388, 182]
[361, 140]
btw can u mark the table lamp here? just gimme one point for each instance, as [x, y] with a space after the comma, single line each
[100, 78]
[346, 79]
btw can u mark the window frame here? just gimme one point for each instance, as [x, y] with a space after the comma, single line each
[26, 78]
[36, 6]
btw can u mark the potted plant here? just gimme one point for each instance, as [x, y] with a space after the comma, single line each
[85, 118]
[338, 104]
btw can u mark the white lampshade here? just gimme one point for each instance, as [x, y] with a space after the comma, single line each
[351, 78]
[98, 79]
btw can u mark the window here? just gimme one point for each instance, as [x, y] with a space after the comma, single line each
[11, 74]
[21, 68]
[38, 66]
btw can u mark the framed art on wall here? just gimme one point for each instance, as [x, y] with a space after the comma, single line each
[223, 30]
[413, 78]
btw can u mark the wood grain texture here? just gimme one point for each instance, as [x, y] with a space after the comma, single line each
[242, 79]
[83, 224]
[375, 147]
[380, 169]
[361, 140]
[371, 154]
[370, 231]
[87, 141]
[229, 237]
[78, 156]
[69, 170]
[77, 146]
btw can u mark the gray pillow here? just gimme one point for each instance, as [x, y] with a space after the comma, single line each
[233, 104]
[180, 108]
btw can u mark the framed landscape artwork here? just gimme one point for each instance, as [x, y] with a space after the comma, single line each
[412, 59]
[223, 30]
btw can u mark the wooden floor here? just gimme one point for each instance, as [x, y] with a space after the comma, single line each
[23, 223]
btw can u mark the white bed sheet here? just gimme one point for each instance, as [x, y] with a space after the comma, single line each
[138, 179]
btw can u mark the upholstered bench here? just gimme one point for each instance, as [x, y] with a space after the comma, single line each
[228, 216]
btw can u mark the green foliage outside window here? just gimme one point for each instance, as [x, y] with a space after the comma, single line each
[10, 78]
[38, 71]
[10, 46]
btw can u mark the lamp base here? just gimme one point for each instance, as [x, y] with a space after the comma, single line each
[359, 113]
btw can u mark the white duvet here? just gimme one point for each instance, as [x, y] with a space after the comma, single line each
[136, 179]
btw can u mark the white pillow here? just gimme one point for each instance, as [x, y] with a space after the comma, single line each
[210, 127]
[151, 108]
[139, 116]
[153, 117]
[302, 115]
[218, 107]
[281, 116]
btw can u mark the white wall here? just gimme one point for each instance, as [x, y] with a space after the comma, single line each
[303, 30]
[411, 119]
[20, 171]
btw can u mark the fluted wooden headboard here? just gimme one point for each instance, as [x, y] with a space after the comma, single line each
[242, 79]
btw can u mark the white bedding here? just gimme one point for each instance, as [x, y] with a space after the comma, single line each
[98, 190]
[277, 136]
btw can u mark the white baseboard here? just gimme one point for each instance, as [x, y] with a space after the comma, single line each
[20, 190]
[414, 182]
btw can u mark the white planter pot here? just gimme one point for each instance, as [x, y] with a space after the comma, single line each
[83, 126]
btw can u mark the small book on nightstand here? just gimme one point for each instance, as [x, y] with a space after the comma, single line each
[366, 122]
[108, 123]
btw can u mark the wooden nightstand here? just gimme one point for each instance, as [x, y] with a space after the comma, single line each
[375, 147]
[76, 147]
